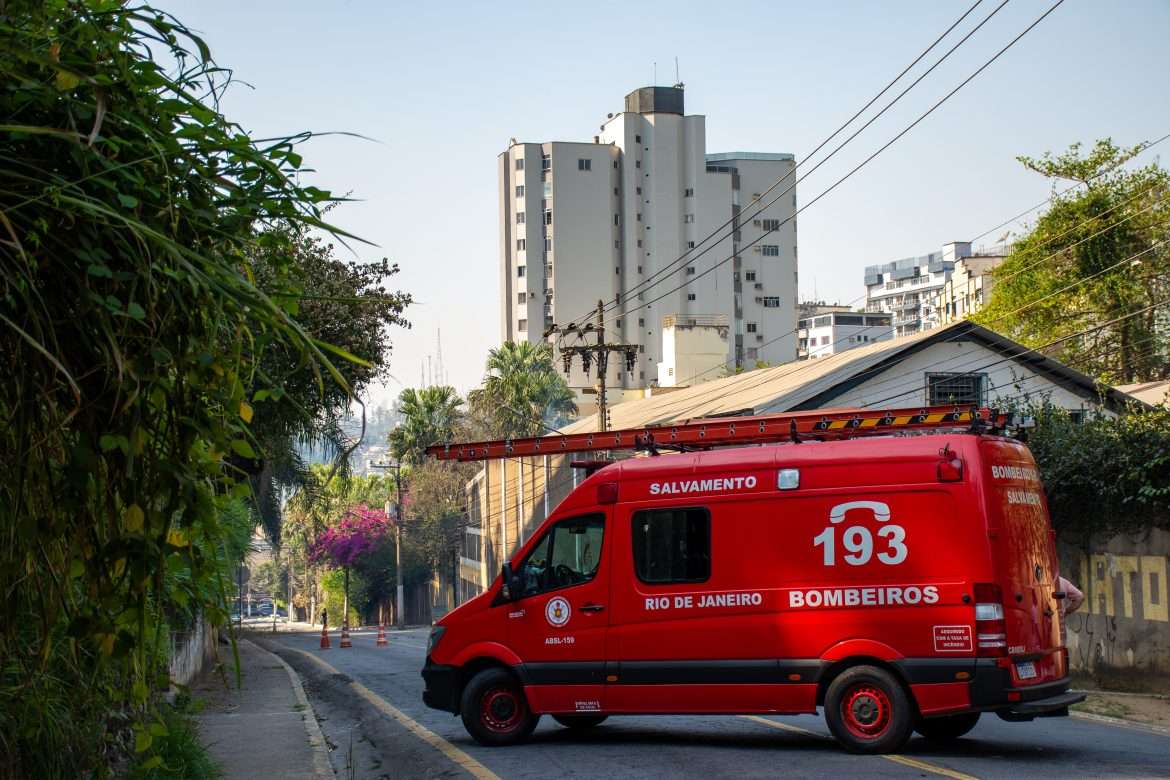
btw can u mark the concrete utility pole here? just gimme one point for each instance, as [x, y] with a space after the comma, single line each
[594, 353]
[400, 600]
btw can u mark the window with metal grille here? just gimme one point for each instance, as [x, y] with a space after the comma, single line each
[956, 388]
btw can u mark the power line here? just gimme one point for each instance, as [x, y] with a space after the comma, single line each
[860, 165]
[739, 217]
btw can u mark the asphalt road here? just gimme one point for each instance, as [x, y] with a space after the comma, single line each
[706, 747]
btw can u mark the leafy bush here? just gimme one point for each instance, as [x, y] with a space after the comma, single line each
[132, 342]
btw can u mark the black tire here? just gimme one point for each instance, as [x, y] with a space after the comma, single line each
[868, 710]
[494, 709]
[579, 721]
[947, 728]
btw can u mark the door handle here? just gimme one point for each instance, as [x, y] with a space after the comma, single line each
[592, 607]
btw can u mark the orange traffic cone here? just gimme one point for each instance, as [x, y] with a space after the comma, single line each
[382, 640]
[325, 638]
[345, 636]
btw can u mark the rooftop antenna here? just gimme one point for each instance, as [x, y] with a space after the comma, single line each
[677, 80]
[655, 84]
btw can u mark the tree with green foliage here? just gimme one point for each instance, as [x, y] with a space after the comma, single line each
[1104, 475]
[138, 346]
[1098, 260]
[522, 394]
[430, 415]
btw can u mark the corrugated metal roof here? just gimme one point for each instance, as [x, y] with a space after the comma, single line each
[762, 391]
[1152, 393]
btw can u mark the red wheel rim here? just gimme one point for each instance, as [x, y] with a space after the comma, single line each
[866, 709]
[500, 709]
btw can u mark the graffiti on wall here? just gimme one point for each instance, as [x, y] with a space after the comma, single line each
[1125, 620]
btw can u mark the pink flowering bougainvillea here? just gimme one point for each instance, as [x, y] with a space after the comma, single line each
[359, 531]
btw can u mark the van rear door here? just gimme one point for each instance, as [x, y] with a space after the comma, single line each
[1024, 561]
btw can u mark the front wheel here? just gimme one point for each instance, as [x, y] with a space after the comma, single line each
[579, 721]
[868, 710]
[494, 709]
[948, 727]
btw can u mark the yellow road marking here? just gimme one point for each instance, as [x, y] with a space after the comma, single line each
[782, 726]
[905, 761]
[469, 764]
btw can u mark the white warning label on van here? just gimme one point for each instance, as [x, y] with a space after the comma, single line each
[863, 597]
[953, 639]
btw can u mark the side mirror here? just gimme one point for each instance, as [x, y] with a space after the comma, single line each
[509, 590]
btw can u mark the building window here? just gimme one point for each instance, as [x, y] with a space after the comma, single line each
[824, 341]
[639, 243]
[637, 139]
[616, 191]
[753, 353]
[690, 296]
[641, 322]
[520, 244]
[771, 302]
[638, 164]
[639, 216]
[689, 218]
[520, 270]
[618, 270]
[548, 217]
[519, 163]
[615, 165]
[521, 297]
[672, 545]
[522, 325]
[546, 162]
[689, 192]
[770, 224]
[750, 276]
[955, 388]
[548, 270]
[615, 219]
[519, 190]
[639, 190]
[584, 165]
[690, 270]
[690, 245]
[751, 327]
[617, 244]
[770, 250]
[519, 217]
[548, 245]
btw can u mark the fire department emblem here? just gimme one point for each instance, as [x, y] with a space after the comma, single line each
[558, 611]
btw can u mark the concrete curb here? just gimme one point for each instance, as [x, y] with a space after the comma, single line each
[321, 766]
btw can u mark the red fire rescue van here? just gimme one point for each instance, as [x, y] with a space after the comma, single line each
[901, 584]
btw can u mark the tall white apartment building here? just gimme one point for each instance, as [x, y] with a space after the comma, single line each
[609, 220]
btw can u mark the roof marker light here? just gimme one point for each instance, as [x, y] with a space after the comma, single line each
[788, 479]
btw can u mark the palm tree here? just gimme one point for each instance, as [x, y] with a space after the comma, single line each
[429, 416]
[522, 393]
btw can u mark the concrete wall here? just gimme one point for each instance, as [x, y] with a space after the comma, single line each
[191, 651]
[1125, 620]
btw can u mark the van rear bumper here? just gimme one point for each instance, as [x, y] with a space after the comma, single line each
[441, 692]
[991, 690]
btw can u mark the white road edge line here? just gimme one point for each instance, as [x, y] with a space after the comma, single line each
[456, 755]
[321, 766]
[1148, 728]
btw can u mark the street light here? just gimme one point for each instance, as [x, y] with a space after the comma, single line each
[399, 611]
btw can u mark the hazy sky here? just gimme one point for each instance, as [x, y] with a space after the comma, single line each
[443, 86]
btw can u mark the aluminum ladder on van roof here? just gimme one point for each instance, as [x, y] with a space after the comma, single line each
[710, 432]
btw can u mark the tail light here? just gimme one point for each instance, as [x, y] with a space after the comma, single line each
[990, 626]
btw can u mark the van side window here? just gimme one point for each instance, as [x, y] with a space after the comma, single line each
[568, 554]
[672, 545]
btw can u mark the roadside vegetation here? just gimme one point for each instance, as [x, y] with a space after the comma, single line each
[169, 337]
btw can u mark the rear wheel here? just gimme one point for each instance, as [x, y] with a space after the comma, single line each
[495, 710]
[868, 711]
[579, 721]
[948, 727]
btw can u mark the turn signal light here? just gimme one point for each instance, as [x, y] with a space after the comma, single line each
[607, 493]
[950, 470]
[990, 626]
